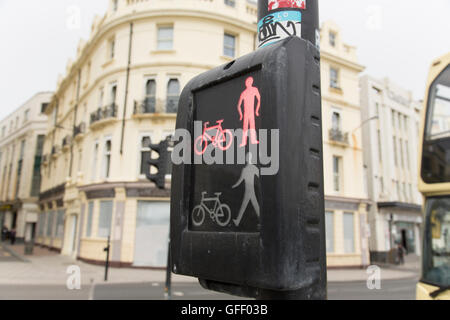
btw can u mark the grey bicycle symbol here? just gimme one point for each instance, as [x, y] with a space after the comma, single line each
[220, 212]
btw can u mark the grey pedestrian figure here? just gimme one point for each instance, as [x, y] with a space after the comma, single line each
[248, 176]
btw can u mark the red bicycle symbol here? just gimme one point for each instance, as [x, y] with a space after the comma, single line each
[221, 139]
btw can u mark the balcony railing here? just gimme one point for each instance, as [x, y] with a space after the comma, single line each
[107, 112]
[338, 136]
[146, 106]
[80, 129]
[150, 106]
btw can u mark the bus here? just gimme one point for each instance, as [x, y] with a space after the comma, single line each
[434, 184]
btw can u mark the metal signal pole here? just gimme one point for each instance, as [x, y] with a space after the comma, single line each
[276, 8]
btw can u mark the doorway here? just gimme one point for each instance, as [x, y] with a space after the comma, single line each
[30, 232]
[152, 234]
[404, 240]
[14, 220]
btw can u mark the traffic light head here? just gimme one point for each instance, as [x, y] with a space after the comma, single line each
[247, 203]
[159, 163]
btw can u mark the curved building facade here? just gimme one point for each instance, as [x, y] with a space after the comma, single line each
[120, 93]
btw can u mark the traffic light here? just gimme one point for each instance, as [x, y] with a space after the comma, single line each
[252, 223]
[160, 163]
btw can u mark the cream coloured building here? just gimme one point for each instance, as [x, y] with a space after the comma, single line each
[345, 195]
[121, 92]
[22, 136]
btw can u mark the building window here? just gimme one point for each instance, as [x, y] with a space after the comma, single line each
[26, 116]
[229, 45]
[20, 166]
[395, 151]
[80, 160]
[407, 155]
[405, 192]
[94, 161]
[231, 3]
[165, 38]
[22, 150]
[60, 224]
[42, 223]
[43, 107]
[393, 118]
[400, 146]
[329, 225]
[3, 131]
[380, 155]
[173, 95]
[150, 96]
[349, 230]
[334, 78]
[145, 154]
[336, 121]
[336, 174]
[89, 219]
[105, 219]
[113, 96]
[111, 48]
[50, 221]
[115, 5]
[332, 36]
[107, 159]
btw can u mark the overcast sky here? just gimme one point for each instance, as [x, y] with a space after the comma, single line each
[398, 39]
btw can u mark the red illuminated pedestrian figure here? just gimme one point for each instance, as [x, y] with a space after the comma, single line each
[248, 97]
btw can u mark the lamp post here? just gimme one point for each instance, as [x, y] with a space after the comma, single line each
[364, 122]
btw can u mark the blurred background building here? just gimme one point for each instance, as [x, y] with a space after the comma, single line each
[21, 140]
[345, 192]
[391, 138]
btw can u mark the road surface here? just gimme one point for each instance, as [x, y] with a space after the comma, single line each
[390, 290]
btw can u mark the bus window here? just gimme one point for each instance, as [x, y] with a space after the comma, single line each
[436, 144]
[439, 108]
[436, 263]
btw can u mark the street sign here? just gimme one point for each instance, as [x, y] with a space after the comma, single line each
[247, 203]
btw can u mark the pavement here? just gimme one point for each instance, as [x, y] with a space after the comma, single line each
[410, 269]
[50, 268]
[45, 274]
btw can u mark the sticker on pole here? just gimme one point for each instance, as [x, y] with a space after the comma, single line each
[278, 26]
[279, 4]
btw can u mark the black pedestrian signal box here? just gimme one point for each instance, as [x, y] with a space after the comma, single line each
[247, 203]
